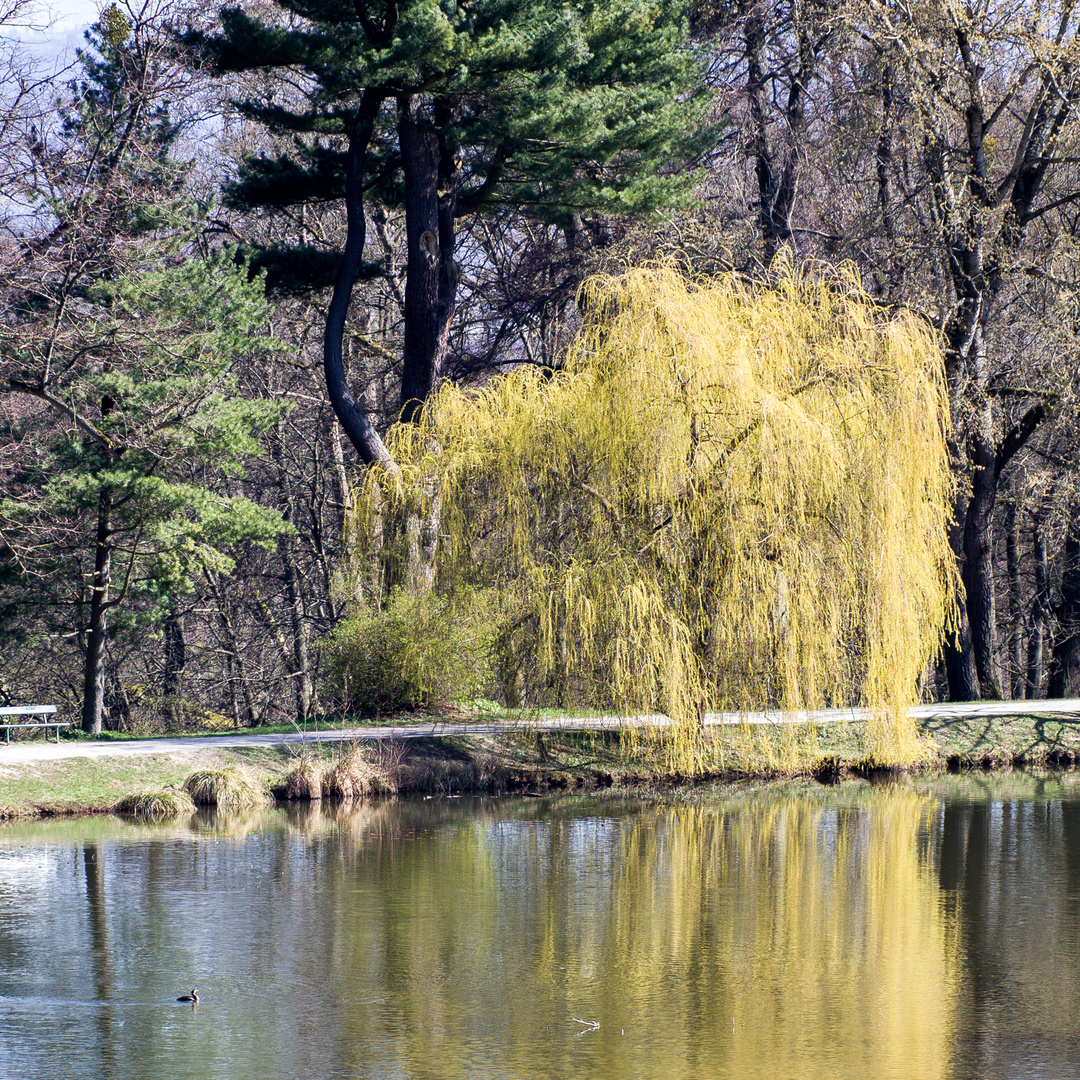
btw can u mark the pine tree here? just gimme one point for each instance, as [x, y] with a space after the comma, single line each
[450, 110]
[125, 339]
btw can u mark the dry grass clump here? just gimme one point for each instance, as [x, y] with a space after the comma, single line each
[353, 776]
[303, 781]
[232, 788]
[156, 805]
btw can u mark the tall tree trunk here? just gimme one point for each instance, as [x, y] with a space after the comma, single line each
[774, 230]
[301, 674]
[175, 662]
[960, 670]
[298, 625]
[966, 229]
[340, 474]
[1065, 670]
[978, 565]
[430, 165]
[1039, 609]
[237, 668]
[778, 171]
[94, 664]
[354, 420]
[1017, 679]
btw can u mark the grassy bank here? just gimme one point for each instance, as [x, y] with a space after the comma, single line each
[529, 762]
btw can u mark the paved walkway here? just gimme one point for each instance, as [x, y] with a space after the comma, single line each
[1064, 709]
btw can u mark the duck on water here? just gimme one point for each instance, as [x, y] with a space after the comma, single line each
[193, 997]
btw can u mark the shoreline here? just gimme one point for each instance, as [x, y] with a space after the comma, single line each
[535, 762]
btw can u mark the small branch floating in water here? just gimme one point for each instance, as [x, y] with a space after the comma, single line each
[592, 1025]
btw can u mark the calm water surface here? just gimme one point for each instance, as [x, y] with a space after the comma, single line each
[921, 929]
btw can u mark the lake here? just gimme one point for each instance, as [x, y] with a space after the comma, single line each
[918, 928]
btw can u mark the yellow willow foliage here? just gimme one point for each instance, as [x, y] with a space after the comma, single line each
[731, 498]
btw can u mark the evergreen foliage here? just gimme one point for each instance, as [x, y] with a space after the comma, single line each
[121, 344]
[733, 498]
[170, 337]
[444, 109]
[551, 109]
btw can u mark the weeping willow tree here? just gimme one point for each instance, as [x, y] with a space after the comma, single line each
[731, 498]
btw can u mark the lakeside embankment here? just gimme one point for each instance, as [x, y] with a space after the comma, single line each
[444, 757]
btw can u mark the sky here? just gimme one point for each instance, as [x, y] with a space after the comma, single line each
[73, 14]
[68, 15]
[56, 25]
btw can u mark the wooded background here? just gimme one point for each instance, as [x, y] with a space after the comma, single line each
[238, 246]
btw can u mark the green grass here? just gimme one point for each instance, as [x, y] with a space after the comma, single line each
[1000, 739]
[81, 785]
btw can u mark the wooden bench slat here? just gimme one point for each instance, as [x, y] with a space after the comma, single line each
[27, 710]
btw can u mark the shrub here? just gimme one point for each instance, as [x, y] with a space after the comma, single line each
[419, 652]
[232, 788]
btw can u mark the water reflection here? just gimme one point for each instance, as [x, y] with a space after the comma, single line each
[101, 953]
[910, 930]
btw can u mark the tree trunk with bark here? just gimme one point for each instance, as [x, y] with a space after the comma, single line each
[777, 170]
[430, 165]
[350, 413]
[175, 662]
[1040, 606]
[977, 568]
[300, 665]
[96, 630]
[301, 660]
[1065, 669]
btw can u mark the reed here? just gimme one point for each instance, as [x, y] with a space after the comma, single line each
[158, 805]
[231, 788]
[354, 776]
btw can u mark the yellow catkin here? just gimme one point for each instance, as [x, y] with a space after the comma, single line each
[731, 498]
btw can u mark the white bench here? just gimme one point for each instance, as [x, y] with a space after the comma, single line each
[31, 710]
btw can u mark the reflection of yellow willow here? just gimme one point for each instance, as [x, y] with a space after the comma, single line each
[731, 497]
[813, 921]
[816, 927]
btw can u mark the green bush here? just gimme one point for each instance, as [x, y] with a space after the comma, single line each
[419, 652]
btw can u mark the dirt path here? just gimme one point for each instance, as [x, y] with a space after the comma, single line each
[1063, 709]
